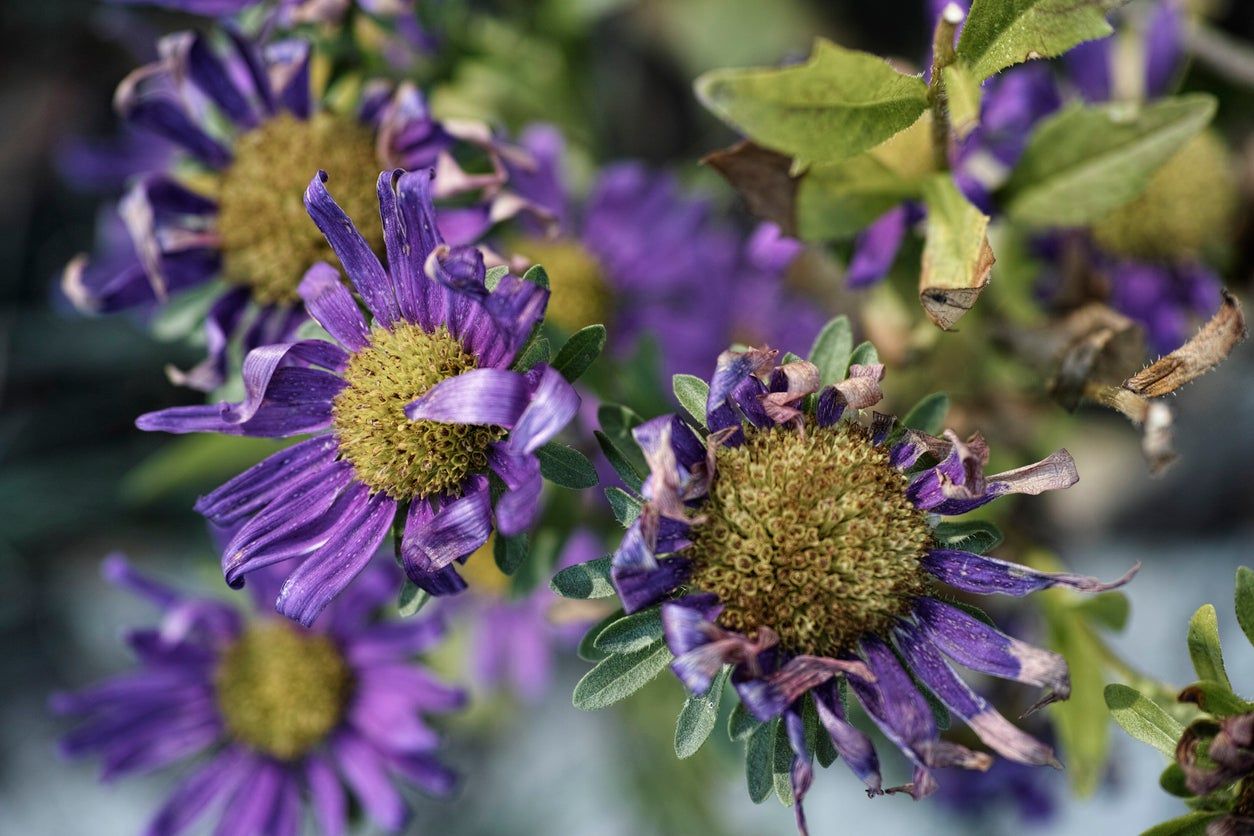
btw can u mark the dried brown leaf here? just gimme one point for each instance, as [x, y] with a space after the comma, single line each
[763, 178]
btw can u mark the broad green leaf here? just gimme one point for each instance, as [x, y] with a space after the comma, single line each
[692, 393]
[838, 200]
[619, 676]
[578, 353]
[1001, 33]
[864, 355]
[412, 599]
[741, 723]
[1192, 824]
[1215, 698]
[509, 552]
[1085, 162]
[928, 415]
[585, 580]
[838, 103]
[625, 506]
[957, 258]
[977, 536]
[1082, 727]
[1107, 609]
[963, 93]
[759, 761]
[619, 461]
[631, 632]
[781, 767]
[831, 350]
[697, 718]
[566, 466]
[1204, 647]
[1143, 719]
[1245, 601]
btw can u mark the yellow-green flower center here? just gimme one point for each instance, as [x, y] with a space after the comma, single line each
[1186, 210]
[282, 691]
[406, 459]
[580, 295]
[268, 239]
[811, 535]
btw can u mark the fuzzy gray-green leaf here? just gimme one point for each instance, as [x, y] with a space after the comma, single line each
[831, 350]
[631, 632]
[1143, 719]
[579, 352]
[566, 466]
[1204, 647]
[697, 718]
[585, 580]
[692, 393]
[1001, 33]
[620, 675]
[1245, 601]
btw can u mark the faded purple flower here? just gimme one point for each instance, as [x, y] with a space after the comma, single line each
[409, 415]
[278, 719]
[803, 550]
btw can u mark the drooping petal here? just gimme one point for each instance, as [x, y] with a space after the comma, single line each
[252, 805]
[326, 572]
[733, 368]
[972, 643]
[364, 770]
[209, 74]
[639, 577]
[552, 404]
[517, 508]
[159, 112]
[802, 773]
[425, 772]
[221, 322]
[991, 727]
[478, 396]
[851, 744]
[329, 302]
[434, 540]
[359, 261]
[990, 576]
[256, 487]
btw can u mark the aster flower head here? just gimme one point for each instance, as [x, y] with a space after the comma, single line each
[251, 133]
[413, 415]
[801, 550]
[277, 718]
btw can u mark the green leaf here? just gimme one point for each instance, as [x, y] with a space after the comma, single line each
[963, 93]
[585, 580]
[692, 393]
[1192, 824]
[838, 200]
[587, 650]
[1143, 719]
[493, 276]
[578, 353]
[759, 761]
[619, 676]
[957, 257]
[509, 552]
[1173, 782]
[1215, 698]
[697, 718]
[1107, 609]
[617, 422]
[838, 103]
[831, 350]
[1085, 162]
[817, 738]
[1082, 727]
[781, 759]
[741, 724]
[1245, 601]
[619, 461]
[536, 353]
[194, 462]
[538, 276]
[625, 506]
[412, 599]
[1001, 33]
[864, 355]
[928, 415]
[977, 536]
[631, 632]
[566, 466]
[1204, 647]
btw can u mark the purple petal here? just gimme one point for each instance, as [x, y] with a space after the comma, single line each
[410, 236]
[326, 572]
[329, 302]
[358, 260]
[391, 641]
[1089, 67]
[517, 508]
[1164, 42]
[165, 117]
[195, 793]
[989, 576]
[734, 367]
[326, 795]
[252, 805]
[552, 403]
[365, 771]
[209, 74]
[434, 539]
[875, 248]
[479, 396]
[256, 487]
[851, 744]
[220, 325]
[427, 773]
[288, 64]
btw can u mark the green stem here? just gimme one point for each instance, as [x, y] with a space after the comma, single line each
[942, 56]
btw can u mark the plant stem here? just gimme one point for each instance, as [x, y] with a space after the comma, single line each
[942, 56]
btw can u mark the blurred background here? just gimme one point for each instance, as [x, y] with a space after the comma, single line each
[77, 481]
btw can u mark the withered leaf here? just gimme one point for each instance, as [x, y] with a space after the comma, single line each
[957, 258]
[1208, 348]
[763, 178]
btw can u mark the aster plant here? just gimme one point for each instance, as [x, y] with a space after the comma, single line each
[1207, 732]
[279, 722]
[224, 216]
[433, 419]
[783, 545]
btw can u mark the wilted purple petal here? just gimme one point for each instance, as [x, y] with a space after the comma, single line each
[517, 508]
[434, 540]
[329, 302]
[989, 576]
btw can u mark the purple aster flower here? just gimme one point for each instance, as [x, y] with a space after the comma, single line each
[277, 718]
[802, 549]
[409, 415]
[640, 256]
[246, 122]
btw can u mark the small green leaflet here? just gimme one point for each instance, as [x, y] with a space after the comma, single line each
[1001, 33]
[839, 200]
[976, 536]
[566, 466]
[781, 764]
[759, 761]
[623, 466]
[1085, 162]
[509, 552]
[1216, 699]
[625, 506]
[1193, 824]
[928, 415]
[692, 393]
[1245, 601]
[741, 723]
[1082, 728]
[494, 275]
[957, 258]
[587, 650]
[584, 580]
[535, 354]
[537, 276]
[831, 350]
[579, 352]
[697, 718]
[620, 675]
[631, 632]
[412, 599]
[837, 104]
[1143, 719]
[1204, 648]
[864, 355]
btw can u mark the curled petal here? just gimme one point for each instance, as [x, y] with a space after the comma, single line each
[479, 396]
[989, 576]
[329, 302]
[434, 539]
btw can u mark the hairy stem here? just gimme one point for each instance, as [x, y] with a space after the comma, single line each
[942, 56]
